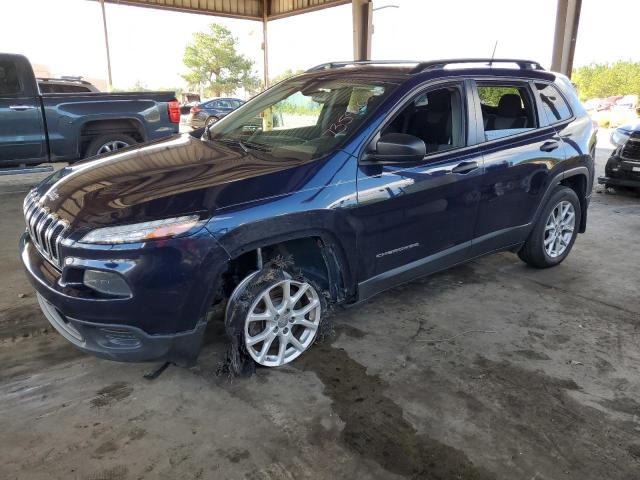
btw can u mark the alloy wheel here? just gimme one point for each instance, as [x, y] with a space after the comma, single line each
[558, 230]
[282, 322]
[112, 146]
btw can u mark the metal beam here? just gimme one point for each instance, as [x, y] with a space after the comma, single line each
[566, 34]
[265, 44]
[362, 11]
[106, 44]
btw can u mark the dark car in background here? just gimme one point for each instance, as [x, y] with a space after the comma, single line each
[623, 167]
[379, 174]
[210, 111]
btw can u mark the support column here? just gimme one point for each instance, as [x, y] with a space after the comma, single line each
[362, 11]
[566, 33]
[265, 43]
[106, 44]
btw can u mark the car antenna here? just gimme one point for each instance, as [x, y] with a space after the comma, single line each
[493, 55]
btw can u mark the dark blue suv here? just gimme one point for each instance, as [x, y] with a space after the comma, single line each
[376, 174]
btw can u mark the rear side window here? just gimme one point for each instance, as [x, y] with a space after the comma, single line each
[61, 88]
[553, 105]
[9, 82]
[506, 110]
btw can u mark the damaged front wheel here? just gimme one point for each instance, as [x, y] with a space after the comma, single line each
[273, 319]
[282, 322]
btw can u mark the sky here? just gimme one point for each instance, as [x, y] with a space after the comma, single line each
[147, 45]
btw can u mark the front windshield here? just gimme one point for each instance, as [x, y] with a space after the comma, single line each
[302, 118]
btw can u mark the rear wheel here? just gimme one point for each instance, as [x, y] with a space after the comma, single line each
[555, 232]
[210, 121]
[108, 143]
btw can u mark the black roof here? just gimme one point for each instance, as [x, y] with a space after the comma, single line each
[417, 66]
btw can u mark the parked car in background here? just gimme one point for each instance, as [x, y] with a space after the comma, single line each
[38, 127]
[209, 112]
[65, 85]
[380, 173]
[623, 166]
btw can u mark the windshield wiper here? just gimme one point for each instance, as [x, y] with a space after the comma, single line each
[243, 144]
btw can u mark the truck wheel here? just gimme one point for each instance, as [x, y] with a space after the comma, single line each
[555, 232]
[272, 318]
[108, 143]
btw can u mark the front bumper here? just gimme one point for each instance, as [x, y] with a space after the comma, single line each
[164, 318]
[124, 343]
[621, 172]
[619, 182]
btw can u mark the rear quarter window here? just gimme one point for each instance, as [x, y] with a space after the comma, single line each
[9, 80]
[554, 105]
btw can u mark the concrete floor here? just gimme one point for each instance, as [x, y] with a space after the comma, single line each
[540, 382]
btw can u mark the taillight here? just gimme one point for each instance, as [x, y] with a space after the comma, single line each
[173, 107]
[194, 110]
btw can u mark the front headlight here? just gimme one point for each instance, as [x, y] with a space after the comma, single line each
[619, 137]
[139, 232]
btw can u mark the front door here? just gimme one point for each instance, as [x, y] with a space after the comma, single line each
[21, 127]
[519, 150]
[418, 218]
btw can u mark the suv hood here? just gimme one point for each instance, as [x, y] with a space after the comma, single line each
[170, 177]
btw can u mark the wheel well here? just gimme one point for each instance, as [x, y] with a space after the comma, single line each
[92, 129]
[309, 256]
[578, 183]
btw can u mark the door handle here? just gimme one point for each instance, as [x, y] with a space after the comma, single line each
[465, 167]
[549, 146]
[21, 108]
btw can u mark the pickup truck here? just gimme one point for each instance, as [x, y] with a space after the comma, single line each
[65, 127]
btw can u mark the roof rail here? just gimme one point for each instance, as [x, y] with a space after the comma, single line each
[434, 64]
[329, 65]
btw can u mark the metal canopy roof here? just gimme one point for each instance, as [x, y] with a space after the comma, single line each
[246, 9]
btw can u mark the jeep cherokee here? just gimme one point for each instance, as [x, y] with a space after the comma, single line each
[381, 172]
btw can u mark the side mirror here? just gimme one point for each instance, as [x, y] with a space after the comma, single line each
[398, 148]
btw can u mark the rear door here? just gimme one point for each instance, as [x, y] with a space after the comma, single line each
[418, 218]
[519, 149]
[22, 137]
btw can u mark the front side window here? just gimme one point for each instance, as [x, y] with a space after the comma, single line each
[9, 82]
[302, 118]
[553, 105]
[436, 117]
[506, 110]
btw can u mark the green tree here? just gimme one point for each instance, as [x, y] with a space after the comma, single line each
[605, 80]
[288, 73]
[215, 65]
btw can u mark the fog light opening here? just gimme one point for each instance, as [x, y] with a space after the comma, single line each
[107, 283]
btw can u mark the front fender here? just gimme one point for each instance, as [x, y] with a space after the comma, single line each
[334, 228]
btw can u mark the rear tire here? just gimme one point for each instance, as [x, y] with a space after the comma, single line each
[108, 143]
[555, 231]
[210, 121]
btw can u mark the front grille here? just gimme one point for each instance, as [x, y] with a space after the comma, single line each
[631, 149]
[45, 229]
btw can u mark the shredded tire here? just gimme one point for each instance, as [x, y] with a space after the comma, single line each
[238, 362]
